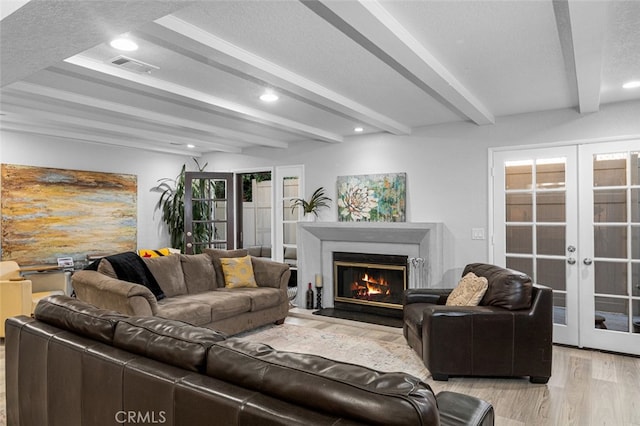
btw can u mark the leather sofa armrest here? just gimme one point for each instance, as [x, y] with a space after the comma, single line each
[269, 273]
[114, 294]
[435, 296]
[459, 409]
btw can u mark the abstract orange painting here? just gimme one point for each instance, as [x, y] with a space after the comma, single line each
[48, 213]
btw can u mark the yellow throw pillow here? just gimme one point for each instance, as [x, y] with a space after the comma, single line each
[154, 253]
[238, 272]
[469, 291]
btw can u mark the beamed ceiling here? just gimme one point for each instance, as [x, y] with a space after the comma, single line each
[385, 66]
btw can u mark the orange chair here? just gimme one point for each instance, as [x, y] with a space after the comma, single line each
[15, 293]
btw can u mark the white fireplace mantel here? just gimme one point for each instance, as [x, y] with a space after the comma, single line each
[318, 240]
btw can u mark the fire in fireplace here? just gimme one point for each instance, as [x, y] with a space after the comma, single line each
[369, 279]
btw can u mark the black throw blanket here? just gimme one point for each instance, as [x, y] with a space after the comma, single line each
[128, 266]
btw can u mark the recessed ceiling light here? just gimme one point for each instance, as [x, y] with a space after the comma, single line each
[124, 44]
[359, 129]
[191, 145]
[631, 84]
[269, 97]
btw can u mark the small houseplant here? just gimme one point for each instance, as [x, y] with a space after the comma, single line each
[318, 200]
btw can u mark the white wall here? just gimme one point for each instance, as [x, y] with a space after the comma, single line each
[446, 165]
[31, 150]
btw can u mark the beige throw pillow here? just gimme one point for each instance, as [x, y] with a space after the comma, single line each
[469, 291]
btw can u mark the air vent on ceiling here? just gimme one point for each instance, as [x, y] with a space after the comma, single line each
[133, 64]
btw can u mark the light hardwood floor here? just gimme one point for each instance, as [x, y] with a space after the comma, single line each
[586, 387]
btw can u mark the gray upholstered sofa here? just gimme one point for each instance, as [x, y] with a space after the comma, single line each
[74, 364]
[193, 290]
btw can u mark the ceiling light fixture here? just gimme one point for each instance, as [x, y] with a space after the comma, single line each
[124, 44]
[631, 84]
[191, 145]
[269, 96]
[359, 129]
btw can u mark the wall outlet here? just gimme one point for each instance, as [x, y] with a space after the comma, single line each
[477, 233]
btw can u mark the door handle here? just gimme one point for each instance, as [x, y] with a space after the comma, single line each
[587, 261]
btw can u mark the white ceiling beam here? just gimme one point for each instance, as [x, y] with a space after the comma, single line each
[369, 24]
[254, 66]
[89, 124]
[26, 126]
[142, 114]
[587, 25]
[218, 104]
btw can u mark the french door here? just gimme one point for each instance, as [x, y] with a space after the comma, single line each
[570, 218]
[610, 261]
[208, 211]
[536, 227]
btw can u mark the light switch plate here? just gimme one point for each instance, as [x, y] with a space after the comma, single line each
[477, 233]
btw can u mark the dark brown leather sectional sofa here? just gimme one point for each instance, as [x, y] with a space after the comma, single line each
[75, 364]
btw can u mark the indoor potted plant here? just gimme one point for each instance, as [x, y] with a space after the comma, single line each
[318, 200]
[171, 205]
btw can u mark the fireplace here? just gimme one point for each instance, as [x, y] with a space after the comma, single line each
[362, 280]
[423, 244]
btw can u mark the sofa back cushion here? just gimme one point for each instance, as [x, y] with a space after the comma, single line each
[169, 341]
[79, 317]
[128, 266]
[167, 270]
[199, 274]
[507, 288]
[321, 384]
[216, 255]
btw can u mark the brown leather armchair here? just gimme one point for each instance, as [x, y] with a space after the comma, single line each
[508, 334]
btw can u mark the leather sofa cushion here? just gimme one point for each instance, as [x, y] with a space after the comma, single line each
[173, 342]
[167, 271]
[79, 317]
[508, 289]
[199, 274]
[342, 389]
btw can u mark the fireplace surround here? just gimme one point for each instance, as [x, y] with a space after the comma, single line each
[423, 243]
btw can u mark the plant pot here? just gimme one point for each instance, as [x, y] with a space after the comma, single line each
[310, 217]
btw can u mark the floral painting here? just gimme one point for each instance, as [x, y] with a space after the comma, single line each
[51, 213]
[372, 198]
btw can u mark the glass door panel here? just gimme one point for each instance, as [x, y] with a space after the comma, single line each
[534, 192]
[208, 209]
[610, 293]
[288, 185]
